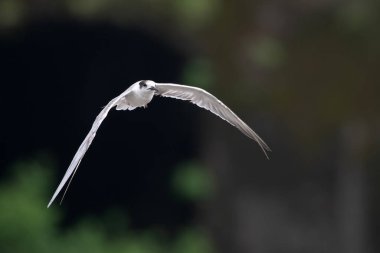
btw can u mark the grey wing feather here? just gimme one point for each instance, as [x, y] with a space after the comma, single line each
[209, 102]
[84, 146]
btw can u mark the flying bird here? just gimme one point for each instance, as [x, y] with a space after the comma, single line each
[140, 94]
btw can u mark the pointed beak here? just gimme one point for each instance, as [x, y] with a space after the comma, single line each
[153, 88]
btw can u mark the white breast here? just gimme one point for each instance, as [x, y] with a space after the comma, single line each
[134, 99]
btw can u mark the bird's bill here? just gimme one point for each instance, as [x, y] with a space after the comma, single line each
[153, 88]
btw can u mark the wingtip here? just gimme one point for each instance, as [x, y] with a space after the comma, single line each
[266, 155]
[52, 200]
[266, 149]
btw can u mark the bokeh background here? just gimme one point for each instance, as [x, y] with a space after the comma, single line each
[174, 178]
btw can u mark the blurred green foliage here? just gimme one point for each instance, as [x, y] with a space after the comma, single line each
[11, 12]
[268, 52]
[192, 241]
[26, 225]
[192, 182]
[195, 13]
[356, 16]
[199, 71]
[87, 8]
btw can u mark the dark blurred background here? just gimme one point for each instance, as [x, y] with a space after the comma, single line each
[173, 177]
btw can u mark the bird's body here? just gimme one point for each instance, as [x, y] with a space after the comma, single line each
[140, 94]
[135, 97]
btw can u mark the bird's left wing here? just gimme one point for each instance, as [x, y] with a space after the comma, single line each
[209, 102]
[84, 146]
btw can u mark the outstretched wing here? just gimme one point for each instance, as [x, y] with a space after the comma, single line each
[70, 172]
[209, 102]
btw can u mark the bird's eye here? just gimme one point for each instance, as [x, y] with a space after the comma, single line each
[143, 84]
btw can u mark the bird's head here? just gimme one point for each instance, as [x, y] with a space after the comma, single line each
[147, 85]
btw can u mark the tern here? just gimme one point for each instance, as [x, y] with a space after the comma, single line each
[140, 94]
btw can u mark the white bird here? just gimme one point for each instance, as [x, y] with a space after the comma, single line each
[140, 94]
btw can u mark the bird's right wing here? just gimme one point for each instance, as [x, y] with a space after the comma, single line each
[70, 172]
[209, 102]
